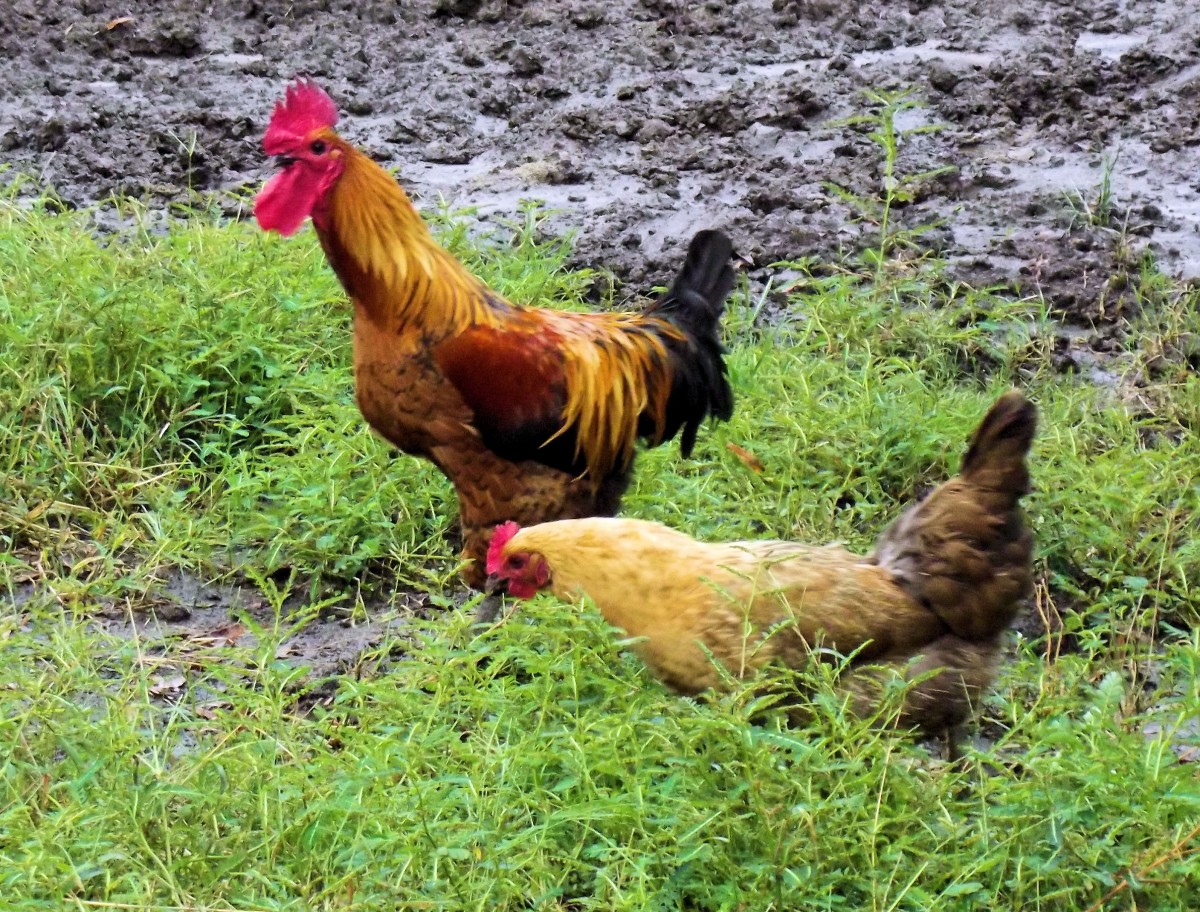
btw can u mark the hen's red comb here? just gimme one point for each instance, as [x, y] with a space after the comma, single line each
[500, 538]
[304, 107]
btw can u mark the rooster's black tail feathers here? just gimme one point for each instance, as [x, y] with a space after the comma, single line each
[695, 303]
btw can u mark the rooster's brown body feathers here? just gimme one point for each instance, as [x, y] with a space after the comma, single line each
[532, 414]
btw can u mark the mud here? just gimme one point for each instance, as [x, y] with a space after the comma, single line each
[182, 622]
[641, 120]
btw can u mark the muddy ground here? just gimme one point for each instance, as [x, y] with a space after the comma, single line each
[642, 120]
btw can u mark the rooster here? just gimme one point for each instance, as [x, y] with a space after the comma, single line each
[945, 581]
[532, 414]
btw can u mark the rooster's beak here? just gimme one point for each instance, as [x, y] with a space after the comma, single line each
[495, 584]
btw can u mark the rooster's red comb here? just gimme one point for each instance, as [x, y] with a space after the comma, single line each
[500, 538]
[304, 107]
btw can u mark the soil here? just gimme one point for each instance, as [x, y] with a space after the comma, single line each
[181, 614]
[643, 120]
[640, 121]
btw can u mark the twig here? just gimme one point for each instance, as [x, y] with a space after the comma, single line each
[1171, 854]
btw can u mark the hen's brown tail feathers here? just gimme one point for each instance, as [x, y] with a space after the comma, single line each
[695, 303]
[964, 551]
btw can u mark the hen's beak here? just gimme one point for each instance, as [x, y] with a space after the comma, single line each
[284, 161]
[495, 584]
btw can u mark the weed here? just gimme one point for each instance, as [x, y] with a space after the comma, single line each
[895, 189]
[1098, 212]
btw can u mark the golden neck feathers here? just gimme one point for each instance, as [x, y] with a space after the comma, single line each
[386, 257]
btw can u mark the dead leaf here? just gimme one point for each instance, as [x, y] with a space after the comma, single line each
[161, 685]
[120, 20]
[209, 710]
[749, 460]
[38, 510]
[225, 635]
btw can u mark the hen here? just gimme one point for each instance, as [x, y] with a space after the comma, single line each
[945, 581]
[532, 414]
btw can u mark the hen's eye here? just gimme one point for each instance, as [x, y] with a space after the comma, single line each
[318, 147]
[516, 562]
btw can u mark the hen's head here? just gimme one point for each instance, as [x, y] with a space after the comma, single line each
[522, 574]
[310, 154]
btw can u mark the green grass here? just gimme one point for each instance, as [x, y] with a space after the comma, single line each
[181, 396]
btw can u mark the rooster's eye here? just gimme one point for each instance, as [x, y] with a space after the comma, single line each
[517, 561]
[318, 147]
